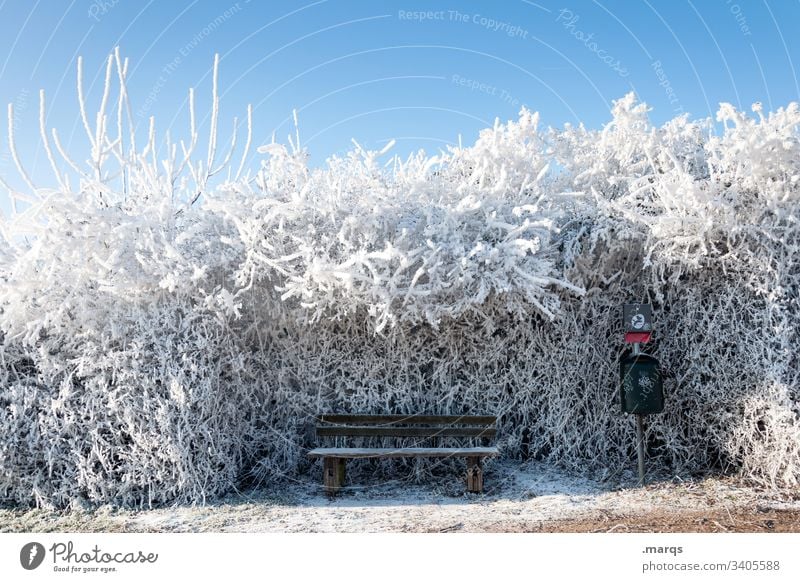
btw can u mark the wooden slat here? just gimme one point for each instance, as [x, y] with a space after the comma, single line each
[356, 453]
[404, 419]
[378, 431]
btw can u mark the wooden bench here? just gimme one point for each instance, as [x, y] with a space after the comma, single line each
[429, 430]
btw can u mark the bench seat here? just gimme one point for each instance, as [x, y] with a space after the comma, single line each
[366, 453]
[460, 432]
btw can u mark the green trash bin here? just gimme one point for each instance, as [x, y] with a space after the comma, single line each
[641, 387]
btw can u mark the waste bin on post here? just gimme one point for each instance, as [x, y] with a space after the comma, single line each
[641, 389]
[641, 386]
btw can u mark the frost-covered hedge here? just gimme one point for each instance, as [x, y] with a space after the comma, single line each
[167, 336]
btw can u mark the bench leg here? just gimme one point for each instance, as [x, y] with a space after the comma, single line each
[333, 471]
[474, 475]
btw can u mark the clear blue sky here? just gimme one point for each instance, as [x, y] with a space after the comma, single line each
[375, 71]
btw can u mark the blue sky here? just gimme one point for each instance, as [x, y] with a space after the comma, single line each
[419, 72]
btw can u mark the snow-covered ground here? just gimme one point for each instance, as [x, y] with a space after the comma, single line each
[527, 497]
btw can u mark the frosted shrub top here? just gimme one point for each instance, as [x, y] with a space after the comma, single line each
[414, 240]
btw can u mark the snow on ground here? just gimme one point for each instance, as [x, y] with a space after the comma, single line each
[526, 497]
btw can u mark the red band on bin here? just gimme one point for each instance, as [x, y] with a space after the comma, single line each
[636, 337]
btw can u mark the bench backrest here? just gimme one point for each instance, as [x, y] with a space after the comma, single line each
[405, 425]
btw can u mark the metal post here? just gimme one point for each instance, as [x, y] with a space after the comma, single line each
[640, 446]
[639, 430]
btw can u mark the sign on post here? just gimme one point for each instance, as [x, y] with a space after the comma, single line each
[638, 321]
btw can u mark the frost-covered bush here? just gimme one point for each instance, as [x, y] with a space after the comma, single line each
[168, 335]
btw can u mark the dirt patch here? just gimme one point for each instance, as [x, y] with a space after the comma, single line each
[738, 521]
